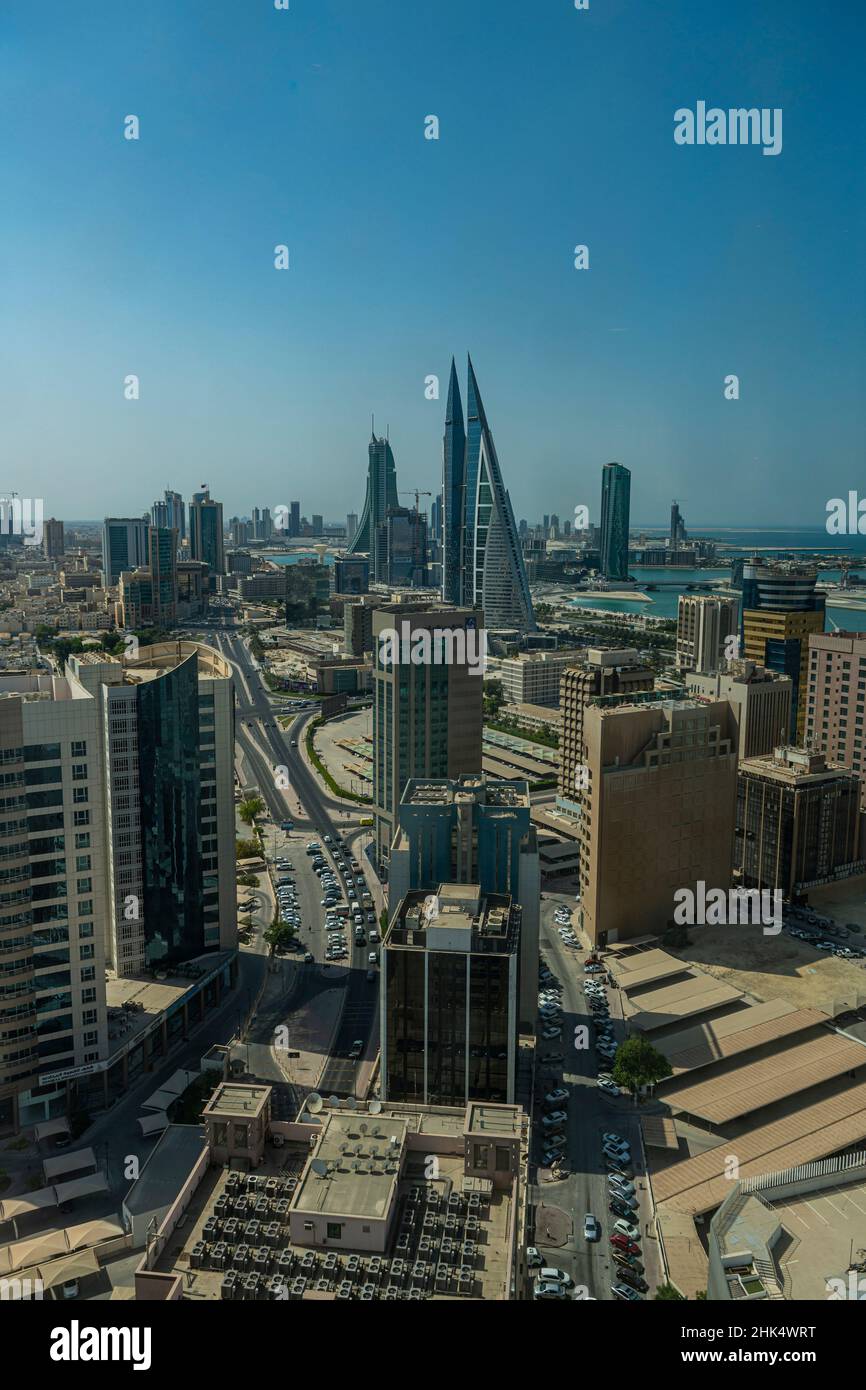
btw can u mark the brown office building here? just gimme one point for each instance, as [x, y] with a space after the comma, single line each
[659, 809]
[605, 671]
[427, 703]
[798, 822]
[761, 700]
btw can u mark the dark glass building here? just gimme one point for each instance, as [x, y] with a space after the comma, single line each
[615, 503]
[381, 495]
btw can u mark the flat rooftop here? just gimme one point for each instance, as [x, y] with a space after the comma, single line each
[494, 1119]
[355, 1167]
[238, 1099]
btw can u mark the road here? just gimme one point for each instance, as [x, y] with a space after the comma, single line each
[590, 1113]
[267, 747]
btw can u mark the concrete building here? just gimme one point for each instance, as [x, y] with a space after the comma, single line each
[358, 627]
[704, 622]
[798, 822]
[760, 698]
[53, 544]
[603, 671]
[473, 830]
[449, 990]
[427, 713]
[781, 609]
[836, 700]
[658, 809]
[532, 678]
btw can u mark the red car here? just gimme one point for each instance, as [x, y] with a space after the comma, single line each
[627, 1246]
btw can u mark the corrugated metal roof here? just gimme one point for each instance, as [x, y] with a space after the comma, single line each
[734, 1033]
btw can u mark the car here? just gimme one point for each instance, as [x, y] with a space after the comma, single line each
[626, 1228]
[371, 975]
[608, 1086]
[551, 1057]
[556, 1139]
[634, 1280]
[548, 1034]
[617, 1151]
[591, 1228]
[620, 1208]
[618, 1168]
[550, 1157]
[356, 1049]
[549, 1274]
[556, 1097]
[555, 1118]
[627, 1261]
[534, 1258]
[372, 958]
[550, 1291]
[309, 957]
[623, 1291]
[621, 1187]
[610, 1137]
[621, 1242]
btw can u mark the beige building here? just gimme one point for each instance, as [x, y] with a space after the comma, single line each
[427, 703]
[704, 621]
[532, 678]
[836, 699]
[605, 671]
[761, 700]
[659, 810]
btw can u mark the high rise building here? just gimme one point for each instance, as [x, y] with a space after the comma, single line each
[615, 503]
[761, 700]
[53, 543]
[836, 700]
[678, 527]
[427, 714]
[449, 989]
[403, 539]
[294, 518]
[124, 545]
[798, 822]
[482, 557]
[170, 512]
[473, 830]
[206, 532]
[436, 518]
[317, 525]
[351, 525]
[704, 622]
[149, 596]
[603, 671]
[118, 849]
[381, 495]
[780, 611]
[659, 810]
[307, 587]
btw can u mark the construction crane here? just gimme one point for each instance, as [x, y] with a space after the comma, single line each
[415, 492]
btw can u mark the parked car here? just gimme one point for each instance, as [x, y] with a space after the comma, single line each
[534, 1258]
[556, 1097]
[591, 1228]
[550, 1291]
[554, 1119]
[626, 1228]
[621, 1242]
[623, 1291]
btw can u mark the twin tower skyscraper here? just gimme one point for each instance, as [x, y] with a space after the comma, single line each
[482, 560]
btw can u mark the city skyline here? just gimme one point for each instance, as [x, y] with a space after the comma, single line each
[273, 375]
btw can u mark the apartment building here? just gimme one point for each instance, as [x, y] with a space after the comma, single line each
[836, 700]
[604, 671]
[533, 678]
[760, 698]
[704, 622]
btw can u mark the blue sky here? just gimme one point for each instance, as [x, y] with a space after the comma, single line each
[306, 127]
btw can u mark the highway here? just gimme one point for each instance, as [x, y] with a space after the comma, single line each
[266, 747]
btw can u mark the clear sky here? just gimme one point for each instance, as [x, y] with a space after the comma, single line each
[306, 127]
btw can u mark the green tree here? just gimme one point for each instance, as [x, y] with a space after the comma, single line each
[639, 1064]
[251, 808]
[246, 849]
[277, 935]
[669, 1293]
[492, 698]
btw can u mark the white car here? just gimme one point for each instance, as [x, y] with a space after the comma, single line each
[610, 1087]
[625, 1228]
[555, 1119]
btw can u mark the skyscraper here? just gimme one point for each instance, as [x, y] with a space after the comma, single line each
[294, 518]
[381, 495]
[403, 537]
[124, 545]
[483, 561]
[615, 501]
[206, 531]
[170, 512]
[427, 715]
[781, 609]
[53, 545]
